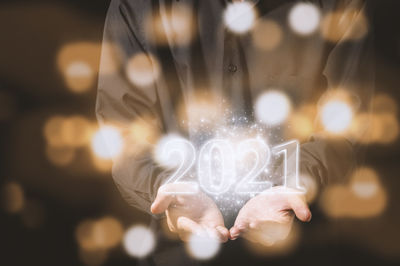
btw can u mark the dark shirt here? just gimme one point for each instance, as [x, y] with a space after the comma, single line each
[230, 70]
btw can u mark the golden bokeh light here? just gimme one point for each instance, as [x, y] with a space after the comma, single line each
[142, 69]
[267, 35]
[364, 182]
[382, 128]
[349, 24]
[144, 131]
[280, 248]
[178, 22]
[78, 63]
[301, 126]
[12, 197]
[202, 111]
[364, 197]
[101, 234]
[60, 156]
[76, 131]
[53, 131]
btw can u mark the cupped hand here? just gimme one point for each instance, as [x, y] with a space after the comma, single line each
[268, 217]
[192, 212]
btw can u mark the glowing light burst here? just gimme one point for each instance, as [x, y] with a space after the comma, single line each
[336, 116]
[272, 108]
[223, 165]
[139, 241]
[239, 17]
[107, 142]
[304, 18]
[202, 248]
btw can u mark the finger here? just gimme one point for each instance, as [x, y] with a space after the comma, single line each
[220, 233]
[162, 202]
[188, 226]
[238, 229]
[224, 233]
[300, 208]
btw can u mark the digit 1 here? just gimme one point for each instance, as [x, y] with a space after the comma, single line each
[291, 156]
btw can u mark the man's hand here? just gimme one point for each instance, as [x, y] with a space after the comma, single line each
[191, 213]
[268, 217]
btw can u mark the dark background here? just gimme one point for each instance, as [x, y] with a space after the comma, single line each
[32, 34]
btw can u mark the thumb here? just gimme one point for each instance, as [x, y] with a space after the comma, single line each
[300, 208]
[162, 202]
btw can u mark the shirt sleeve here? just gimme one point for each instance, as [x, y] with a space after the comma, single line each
[350, 66]
[123, 105]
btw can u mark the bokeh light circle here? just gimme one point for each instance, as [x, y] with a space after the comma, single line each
[202, 248]
[239, 17]
[336, 116]
[272, 108]
[304, 18]
[107, 142]
[139, 241]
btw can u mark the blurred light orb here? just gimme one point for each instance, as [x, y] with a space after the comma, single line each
[202, 248]
[239, 17]
[301, 126]
[304, 18]
[76, 131]
[139, 241]
[142, 69]
[347, 24]
[178, 23]
[336, 116]
[365, 182]
[267, 35]
[272, 108]
[107, 232]
[78, 63]
[107, 142]
[12, 197]
[169, 149]
[60, 156]
[52, 131]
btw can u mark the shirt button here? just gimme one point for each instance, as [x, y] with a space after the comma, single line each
[232, 68]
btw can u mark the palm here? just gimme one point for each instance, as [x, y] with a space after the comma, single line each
[267, 218]
[193, 213]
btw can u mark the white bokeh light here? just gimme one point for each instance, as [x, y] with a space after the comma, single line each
[239, 17]
[304, 18]
[202, 248]
[139, 241]
[107, 142]
[272, 108]
[336, 116]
